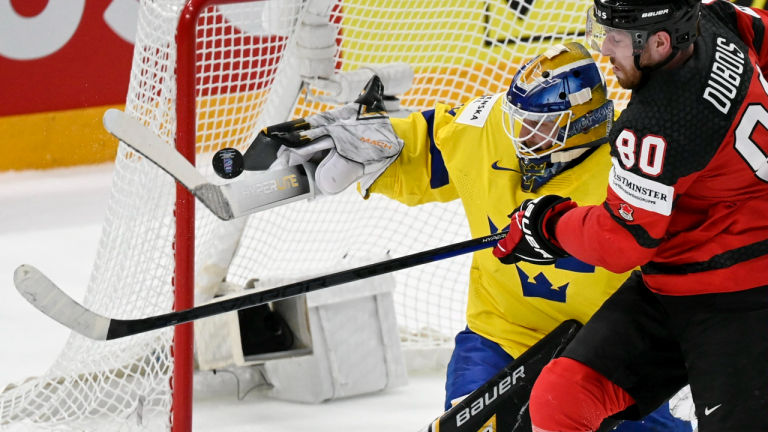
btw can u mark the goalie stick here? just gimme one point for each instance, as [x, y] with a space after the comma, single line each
[501, 404]
[233, 200]
[44, 295]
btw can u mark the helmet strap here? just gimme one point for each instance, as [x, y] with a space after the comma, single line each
[646, 71]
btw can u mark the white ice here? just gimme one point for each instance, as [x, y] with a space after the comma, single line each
[52, 220]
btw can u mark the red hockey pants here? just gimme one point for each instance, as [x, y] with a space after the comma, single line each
[571, 397]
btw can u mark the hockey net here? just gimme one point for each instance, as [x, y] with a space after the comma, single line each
[246, 59]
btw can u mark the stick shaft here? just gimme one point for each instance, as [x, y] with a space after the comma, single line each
[122, 328]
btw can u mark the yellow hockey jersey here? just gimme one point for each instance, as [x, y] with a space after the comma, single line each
[464, 153]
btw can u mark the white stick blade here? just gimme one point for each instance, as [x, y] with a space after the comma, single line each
[148, 144]
[52, 301]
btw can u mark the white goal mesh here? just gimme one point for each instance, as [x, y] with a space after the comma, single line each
[247, 78]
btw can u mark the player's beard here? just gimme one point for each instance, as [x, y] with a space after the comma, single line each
[631, 76]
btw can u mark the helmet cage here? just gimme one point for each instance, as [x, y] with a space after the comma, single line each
[524, 126]
[557, 102]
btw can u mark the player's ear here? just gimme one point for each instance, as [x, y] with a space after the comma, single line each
[662, 44]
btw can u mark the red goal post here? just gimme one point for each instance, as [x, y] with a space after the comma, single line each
[497, 32]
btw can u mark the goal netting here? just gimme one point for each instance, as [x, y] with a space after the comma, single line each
[248, 60]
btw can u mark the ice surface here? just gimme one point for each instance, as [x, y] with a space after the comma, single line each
[52, 220]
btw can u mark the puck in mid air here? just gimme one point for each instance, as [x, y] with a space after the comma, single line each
[228, 163]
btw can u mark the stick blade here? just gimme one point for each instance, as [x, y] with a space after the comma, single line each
[145, 142]
[49, 299]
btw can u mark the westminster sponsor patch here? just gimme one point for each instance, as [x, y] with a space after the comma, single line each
[640, 192]
[476, 112]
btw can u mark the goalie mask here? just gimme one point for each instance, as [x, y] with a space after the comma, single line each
[555, 110]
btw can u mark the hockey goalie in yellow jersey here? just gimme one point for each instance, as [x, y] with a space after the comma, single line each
[546, 135]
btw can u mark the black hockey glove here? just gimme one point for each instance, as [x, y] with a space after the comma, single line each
[531, 229]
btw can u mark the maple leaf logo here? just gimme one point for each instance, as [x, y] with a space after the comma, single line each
[626, 211]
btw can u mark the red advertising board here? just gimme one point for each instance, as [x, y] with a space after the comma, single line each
[58, 55]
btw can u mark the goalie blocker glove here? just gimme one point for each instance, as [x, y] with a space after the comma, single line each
[355, 142]
[528, 239]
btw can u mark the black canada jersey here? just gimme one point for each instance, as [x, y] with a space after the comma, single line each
[688, 191]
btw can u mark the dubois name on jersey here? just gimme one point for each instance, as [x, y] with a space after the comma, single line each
[690, 167]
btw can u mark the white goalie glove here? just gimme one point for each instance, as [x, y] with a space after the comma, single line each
[352, 143]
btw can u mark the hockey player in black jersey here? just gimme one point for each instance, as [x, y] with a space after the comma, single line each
[688, 202]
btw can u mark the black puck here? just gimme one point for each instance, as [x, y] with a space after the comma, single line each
[228, 163]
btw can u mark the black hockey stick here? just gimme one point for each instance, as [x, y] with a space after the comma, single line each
[52, 301]
[501, 404]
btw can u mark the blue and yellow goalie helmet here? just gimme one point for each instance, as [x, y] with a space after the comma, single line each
[556, 102]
